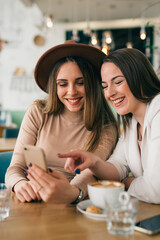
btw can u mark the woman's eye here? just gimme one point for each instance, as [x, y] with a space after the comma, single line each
[104, 86]
[62, 84]
[119, 82]
[80, 83]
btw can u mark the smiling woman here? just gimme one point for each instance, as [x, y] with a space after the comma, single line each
[70, 86]
[74, 115]
[117, 91]
[133, 89]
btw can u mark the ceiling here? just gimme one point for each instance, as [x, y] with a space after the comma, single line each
[96, 10]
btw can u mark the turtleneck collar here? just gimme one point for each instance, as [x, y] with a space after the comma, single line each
[72, 117]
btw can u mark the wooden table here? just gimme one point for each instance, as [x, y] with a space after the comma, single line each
[7, 144]
[37, 221]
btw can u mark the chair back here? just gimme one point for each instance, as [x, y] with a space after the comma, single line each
[2, 127]
[5, 159]
[10, 132]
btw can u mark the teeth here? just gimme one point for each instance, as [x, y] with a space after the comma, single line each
[118, 100]
[75, 100]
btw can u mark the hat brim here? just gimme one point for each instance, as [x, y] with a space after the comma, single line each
[46, 62]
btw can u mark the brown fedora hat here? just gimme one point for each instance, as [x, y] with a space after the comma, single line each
[69, 48]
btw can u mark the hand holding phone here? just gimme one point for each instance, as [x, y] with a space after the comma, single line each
[149, 226]
[36, 155]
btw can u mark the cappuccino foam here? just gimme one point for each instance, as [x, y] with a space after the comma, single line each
[107, 184]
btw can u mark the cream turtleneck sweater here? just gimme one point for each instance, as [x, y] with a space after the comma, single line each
[56, 134]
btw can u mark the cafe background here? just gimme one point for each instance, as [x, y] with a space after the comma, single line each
[30, 27]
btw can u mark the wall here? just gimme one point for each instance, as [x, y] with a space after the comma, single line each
[18, 26]
[17, 117]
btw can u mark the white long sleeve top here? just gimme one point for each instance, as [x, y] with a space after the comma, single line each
[145, 166]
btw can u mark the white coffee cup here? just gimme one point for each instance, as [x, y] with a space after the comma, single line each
[101, 191]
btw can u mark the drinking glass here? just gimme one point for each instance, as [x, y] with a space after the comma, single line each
[4, 201]
[121, 216]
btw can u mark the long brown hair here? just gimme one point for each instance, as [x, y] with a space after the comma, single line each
[139, 74]
[97, 112]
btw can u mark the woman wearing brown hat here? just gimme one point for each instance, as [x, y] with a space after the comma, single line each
[74, 115]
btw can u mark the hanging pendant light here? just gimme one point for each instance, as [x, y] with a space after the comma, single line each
[105, 48]
[129, 45]
[87, 30]
[142, 31]
[75, 36]
[108, 37]
[48, 20]
[94, 40]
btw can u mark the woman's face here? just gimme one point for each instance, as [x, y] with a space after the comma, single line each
[117, 91]
[70, 86]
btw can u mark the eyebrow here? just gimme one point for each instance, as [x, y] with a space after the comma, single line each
[114, 78]
[65, 80]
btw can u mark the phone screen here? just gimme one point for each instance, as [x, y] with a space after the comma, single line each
[151, 225]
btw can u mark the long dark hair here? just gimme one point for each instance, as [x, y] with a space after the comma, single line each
[139, 74]
[97, 112]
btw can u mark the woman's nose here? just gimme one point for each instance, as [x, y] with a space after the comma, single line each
[110, 91]
[72, 89]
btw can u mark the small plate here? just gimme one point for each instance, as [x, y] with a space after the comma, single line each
[81, 207]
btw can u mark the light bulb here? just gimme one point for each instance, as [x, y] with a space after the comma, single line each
[107, 36]
[49, 24]
[49, 20]
[75, 35]
[108, 40]
[129, 45]
[143, 35]
[94, 40]
[104, 49]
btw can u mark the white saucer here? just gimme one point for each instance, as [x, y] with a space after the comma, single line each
[81, 207]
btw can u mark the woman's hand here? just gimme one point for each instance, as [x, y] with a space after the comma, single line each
[78, 159]
[52, 186]
[25, 191]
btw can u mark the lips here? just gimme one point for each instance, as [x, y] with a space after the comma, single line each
[117, 102]
[74, 101]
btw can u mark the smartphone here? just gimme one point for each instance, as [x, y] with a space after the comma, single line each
[149, 226]
[36, 155]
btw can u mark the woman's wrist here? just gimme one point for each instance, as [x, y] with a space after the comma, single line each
[95, 164]
[77, 195]
[17, 183]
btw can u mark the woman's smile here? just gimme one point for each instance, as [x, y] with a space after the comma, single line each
[118, 101]
[70, 86]
[73, 101]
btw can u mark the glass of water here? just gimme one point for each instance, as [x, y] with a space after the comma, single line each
[121, 216]
[5, 194]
